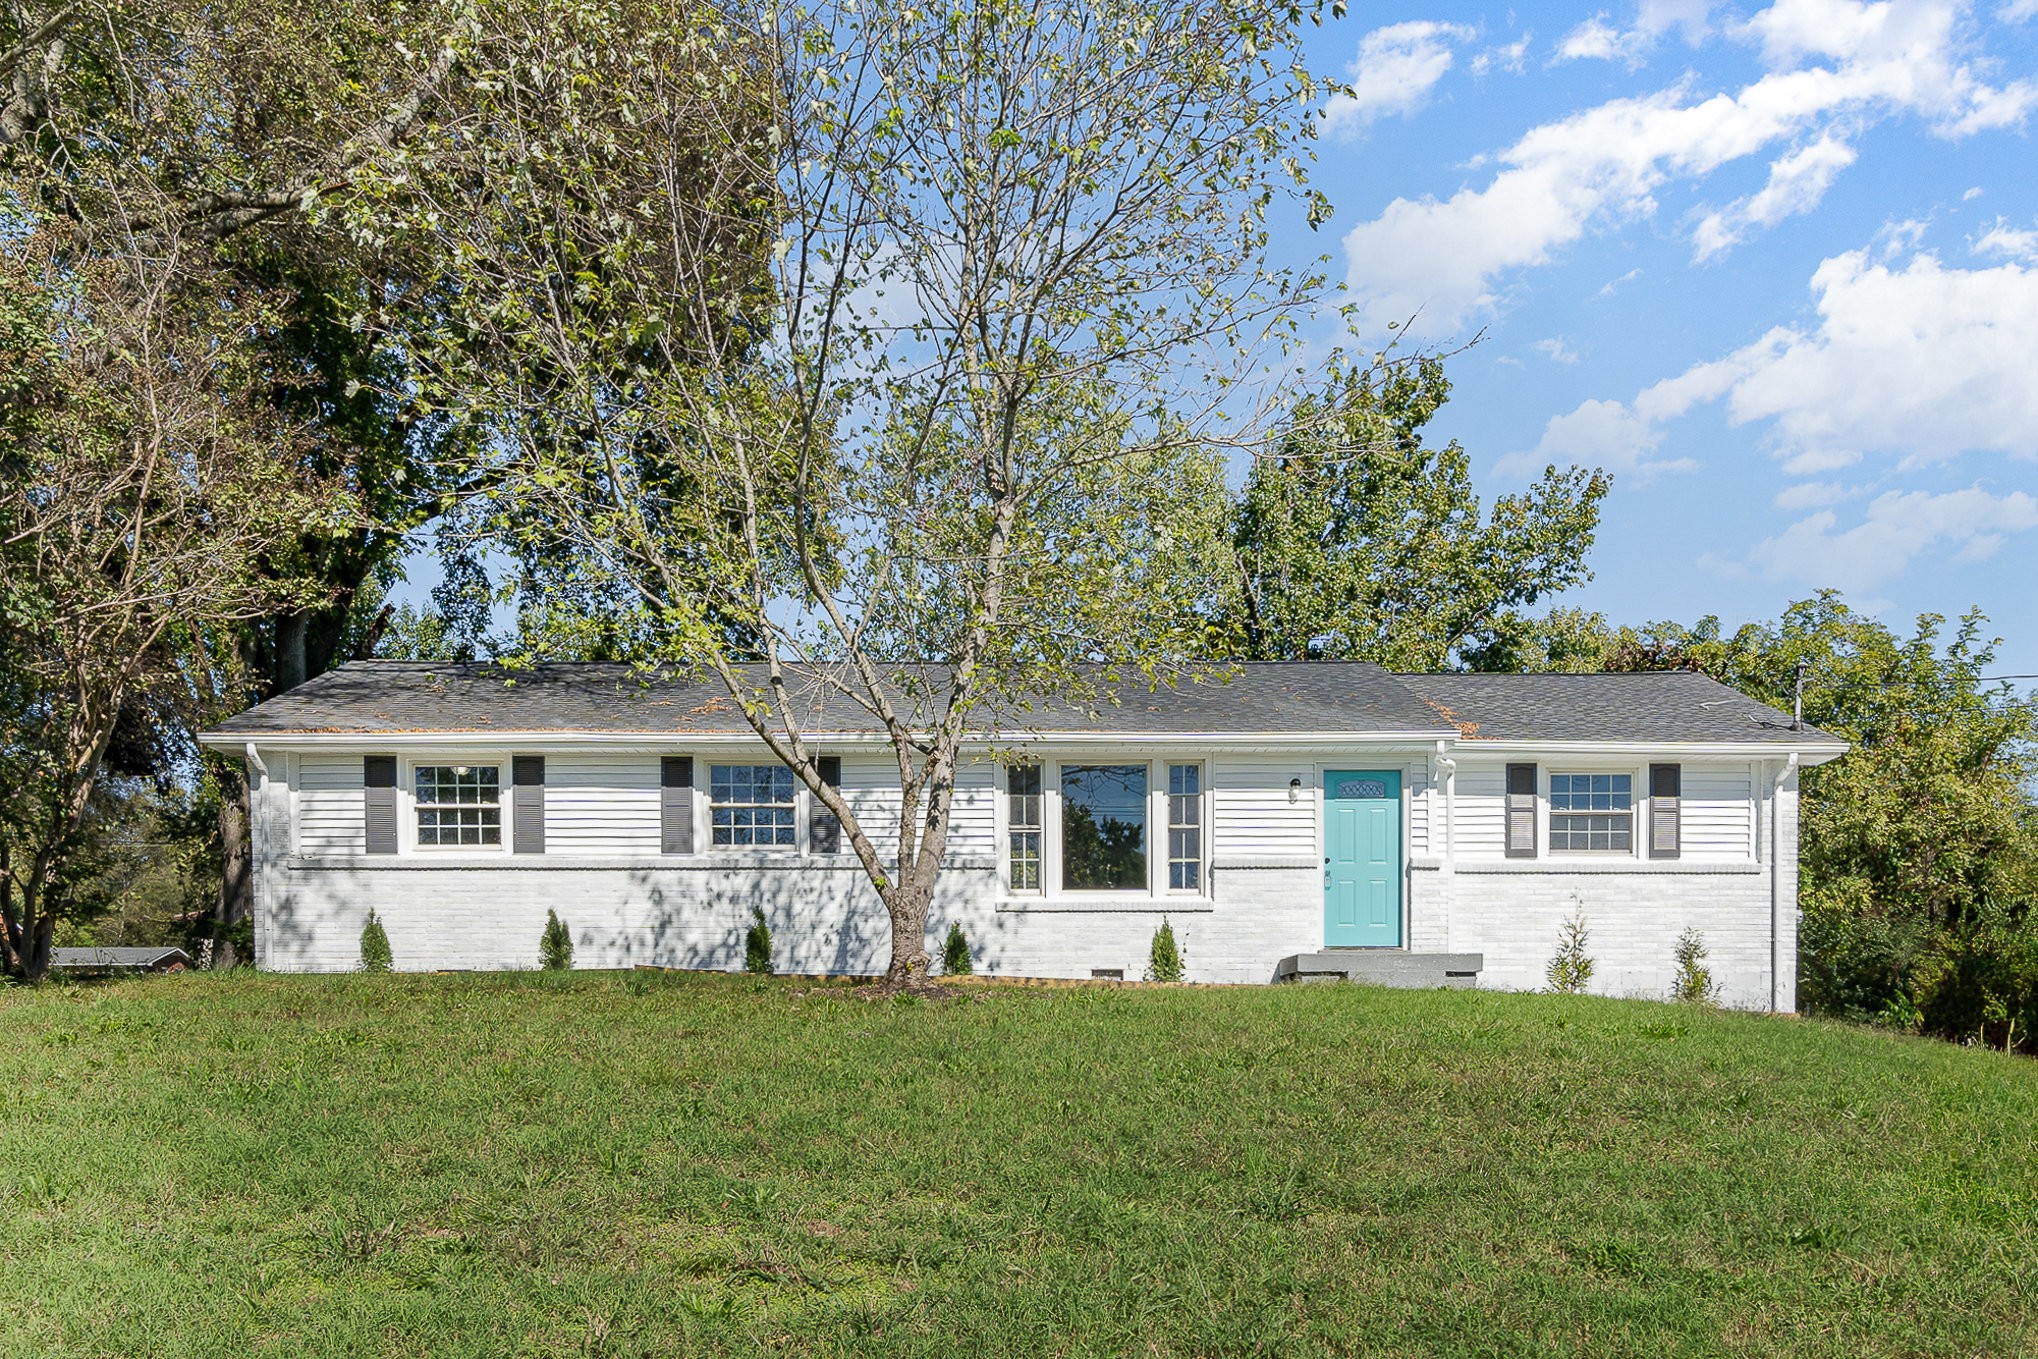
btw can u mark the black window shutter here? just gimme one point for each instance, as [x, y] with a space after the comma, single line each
[527, 808]
[1666, 810]
[675, 815]
[378, 779]
[1521, 811]
[824, 828]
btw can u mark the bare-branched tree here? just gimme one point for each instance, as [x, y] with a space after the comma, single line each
[955, 449]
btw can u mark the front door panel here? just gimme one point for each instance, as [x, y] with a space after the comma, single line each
[1362, 858]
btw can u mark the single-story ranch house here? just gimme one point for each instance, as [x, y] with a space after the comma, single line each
[1290, 819]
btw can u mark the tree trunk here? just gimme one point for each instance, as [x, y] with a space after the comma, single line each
[37, 964]
[236, 885]
[288, 661]
[907, 905]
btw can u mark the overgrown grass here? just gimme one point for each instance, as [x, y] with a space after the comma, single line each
[666, 1164]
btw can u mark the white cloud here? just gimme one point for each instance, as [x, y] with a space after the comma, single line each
[1595, 39]
[2007, 241]
[1796, 184]
[1898, 527]
[2017, 11]
[1599, 39]
[1975, 192]
[1597, 434]
[1557, 349]
[1511, 57]
[1911, 364]
[1396, 68]
[1837, 65]
[1613, 285]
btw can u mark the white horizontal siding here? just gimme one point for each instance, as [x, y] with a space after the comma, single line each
[598, 803]
[1480, 817]
[332, 810]
[1253, 816]
[870, 784]
[1717, 818]
[973, 817]
[1420, 812]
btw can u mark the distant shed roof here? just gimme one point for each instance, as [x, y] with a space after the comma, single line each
[158, 959]
[1274, 698]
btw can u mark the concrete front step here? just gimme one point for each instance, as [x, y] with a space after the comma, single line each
[1382, 967]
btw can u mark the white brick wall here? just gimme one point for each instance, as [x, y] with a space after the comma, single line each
[627, 905]
[1513, 915]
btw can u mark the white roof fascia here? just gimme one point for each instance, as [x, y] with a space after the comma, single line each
[1808, 752]
[369, 741]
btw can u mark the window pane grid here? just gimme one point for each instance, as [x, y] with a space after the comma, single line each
[1185, 827]
[458, 804]
[1023, 824]
[1592, 813]
[751, 805]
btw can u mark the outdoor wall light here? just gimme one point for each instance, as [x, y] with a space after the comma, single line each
[1295, 789]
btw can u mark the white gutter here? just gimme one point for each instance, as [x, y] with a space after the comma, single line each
[1783, 773]
[491, 739]
[1815, 752]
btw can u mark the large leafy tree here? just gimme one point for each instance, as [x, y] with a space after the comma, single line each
[927, 462]
[1354, 539]
[245, 131]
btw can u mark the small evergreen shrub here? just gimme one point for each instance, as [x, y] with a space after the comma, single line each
[1164, 961]
[555, 949]
[1571, 969]
[955, 959]
[757, 946]
[374, 945]
[1694, 981]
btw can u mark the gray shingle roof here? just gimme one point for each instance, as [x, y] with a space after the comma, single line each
[397, 696]
[1271, 698]
[1670, 705]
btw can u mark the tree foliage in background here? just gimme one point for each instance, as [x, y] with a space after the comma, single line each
[933, 455]
[1922, 842]
[143, 483]
[1355, 540]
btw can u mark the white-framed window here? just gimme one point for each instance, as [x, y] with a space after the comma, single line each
[457, 806]
[753, 806]
[1592, 813]
[1104, 809]
[1185, 828]
[1024, 805]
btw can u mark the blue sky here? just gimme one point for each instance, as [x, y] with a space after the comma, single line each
[1774, 267]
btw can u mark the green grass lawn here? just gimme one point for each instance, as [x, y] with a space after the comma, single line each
[672, 1164]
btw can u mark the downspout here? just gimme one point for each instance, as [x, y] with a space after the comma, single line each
[1449, 885]
[255, 761]
[1450, 768]
[1776, 904]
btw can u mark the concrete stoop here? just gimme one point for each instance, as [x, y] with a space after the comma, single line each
[1382, 967]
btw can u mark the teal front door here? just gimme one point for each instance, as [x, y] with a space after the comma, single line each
[1362, 858]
